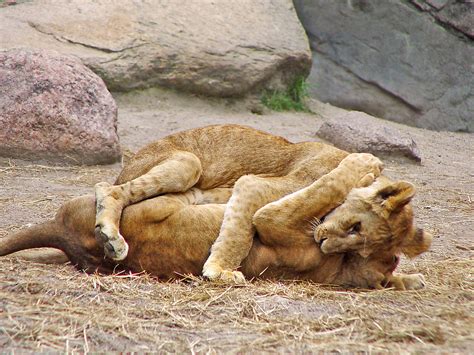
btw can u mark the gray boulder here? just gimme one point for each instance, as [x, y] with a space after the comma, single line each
[52, 107]
[215, 48]
[406, 61]
[456, 15]
[358, 132]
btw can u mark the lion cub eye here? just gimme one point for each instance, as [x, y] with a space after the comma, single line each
[355, 228]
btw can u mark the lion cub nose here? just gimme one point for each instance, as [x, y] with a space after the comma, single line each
[321, 240]
[320, 234]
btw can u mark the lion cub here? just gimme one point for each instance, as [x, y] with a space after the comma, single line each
[357, 244]
[260, 167]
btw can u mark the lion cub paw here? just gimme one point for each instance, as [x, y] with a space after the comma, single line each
[235, 277]
[367, 180]
[106, 230]
[414, 281]
[216, 273]
[115, 246]
[364, 162]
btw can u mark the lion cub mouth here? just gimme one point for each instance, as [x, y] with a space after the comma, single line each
[395, 262]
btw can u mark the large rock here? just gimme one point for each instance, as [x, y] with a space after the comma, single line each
[52, 107]
[358, 132]
[457, 15]
[392, 59]
[217, 48]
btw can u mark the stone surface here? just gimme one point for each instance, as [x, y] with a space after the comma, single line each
[52, 107]
[358, 132]
[216, 48]
[457, 15]
[393, 59]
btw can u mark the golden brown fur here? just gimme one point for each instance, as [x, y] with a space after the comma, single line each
[171, 235]
[261, 167]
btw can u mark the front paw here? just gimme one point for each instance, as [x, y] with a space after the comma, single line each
[365, 163]
[414, 281]
[367, 180]
[214, 272]
[115, 246]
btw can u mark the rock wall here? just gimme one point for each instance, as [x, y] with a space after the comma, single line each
[215, 48]
[406, 61]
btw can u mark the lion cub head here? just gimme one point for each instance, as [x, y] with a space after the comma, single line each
[374, 218]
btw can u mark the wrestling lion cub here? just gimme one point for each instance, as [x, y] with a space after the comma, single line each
[357, 244]
[261, 167]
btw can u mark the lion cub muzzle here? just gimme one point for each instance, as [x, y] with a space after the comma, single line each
[332, 240]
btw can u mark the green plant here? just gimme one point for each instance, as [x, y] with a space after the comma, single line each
[292, 99]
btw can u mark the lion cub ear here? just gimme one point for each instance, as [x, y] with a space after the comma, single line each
[395, 196]
[418, 242]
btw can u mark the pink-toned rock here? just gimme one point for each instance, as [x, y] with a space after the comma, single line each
[52, 107]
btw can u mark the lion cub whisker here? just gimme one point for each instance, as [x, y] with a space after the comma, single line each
[315, 222]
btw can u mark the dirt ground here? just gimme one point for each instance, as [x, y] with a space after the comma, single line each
[56, 308]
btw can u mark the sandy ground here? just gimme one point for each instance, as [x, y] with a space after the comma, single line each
[56, 308]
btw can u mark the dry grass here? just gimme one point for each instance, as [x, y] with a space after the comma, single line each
[68, 175]
[46, 308]
[32, 193]
[55, 308]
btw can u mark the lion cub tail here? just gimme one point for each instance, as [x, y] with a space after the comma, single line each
[44, 235]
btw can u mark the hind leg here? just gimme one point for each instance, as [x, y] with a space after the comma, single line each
[157, 209]
[42, 256]
[177, 173]
[235, 237]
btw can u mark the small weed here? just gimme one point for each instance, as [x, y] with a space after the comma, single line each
[293, 99]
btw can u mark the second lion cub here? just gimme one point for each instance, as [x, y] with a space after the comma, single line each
[261, 167]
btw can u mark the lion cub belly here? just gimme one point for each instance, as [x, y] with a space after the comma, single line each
[281, 262]
[176, 246]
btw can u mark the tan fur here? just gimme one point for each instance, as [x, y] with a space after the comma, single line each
[262, 167]
[171, 235]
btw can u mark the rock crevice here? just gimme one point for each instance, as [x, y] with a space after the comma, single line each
[392, 60]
